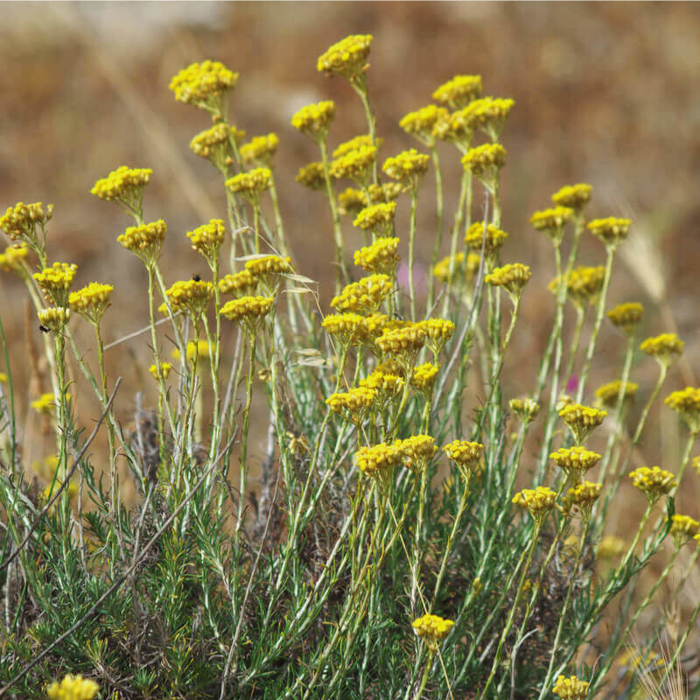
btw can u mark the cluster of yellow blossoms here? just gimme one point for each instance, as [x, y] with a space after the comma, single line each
[22, 220]
[347, 57]
[73, 688]
[432, 628]
[203, 85]
[627, 316]
[123, 185]
[571, 688]
[653, 481]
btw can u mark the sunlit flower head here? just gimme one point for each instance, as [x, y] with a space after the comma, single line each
[653, 481]
[21, 220]
[380, 257]
[489, 115]
[214, 144]
[13, 259]
[512, 277]
[260, 150]
[459, 91]
[686, 402]
[626, 316]
[575, 461]
[581, 420]
[527, 409]
[571, 688]
[248, 311]
[423, 377]
[364, 296]
[573, 196]
[664, 348]
[432, 628]
[92, 301]
[145, 241]
[608, 394]
[315, 120]
[611, 231]
[539, 502]
[378, 218]
[192, 296]
[165, 369]
[204, 85]
[239, 283]
[312, 176]
[466, 455]
[251, 185]
[552, 222]
[73, 688]
[683, 529]
[124, 186]
[408, 168]
[495, 238]
[208, 239]
[421, 123]
[55, 282]
[55, 318]
[355, 165]
[347, 57]
[485, 162]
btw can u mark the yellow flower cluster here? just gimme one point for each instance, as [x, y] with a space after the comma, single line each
[581, 420]
[438, 332]
[92, 301]
[165, 369]
[203, 84]
[607, 393]
[584, 285]
[351, 201]
[268, 268]
[466, 455]
[251, 184]
[626, 316]
[575, 461]
[364, 296]
[512, 277]
[457, 128]
[384, 192]
[55, 281]
[123, 185]
[12, 260]
[54, 318]
[354, 144]
[538, 502]
[214, 143]
[551, 222]
[45, 404]
[432, 628]
[664, 348]
[583, 495]
[73, 688]
[408, 167]
[423, 377]
[405, 342]
[191, 296]
[527, 409]
[417, 451]
[573, 196]
[22, 219]
[422, 122]
[247, 309]
[653, 481]
[345, 326]
[378, 461]
[378, 218]
[611, 231]
[145, 240]
[489, 115]
[312, 176]
[485, 161]
[684, 529]
[571, 688]
[357, 402]
[687, 403]
[347, 57]
[495, 238]
[355, 165]
[383, 383]
[442, 268]
[207, 239]
[459, 91]
[380, 257]
[314, 120]
[260, 150]
[242, 283]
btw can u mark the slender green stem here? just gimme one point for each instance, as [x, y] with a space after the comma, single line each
[439, 211]
[340, 262]
[411, 253]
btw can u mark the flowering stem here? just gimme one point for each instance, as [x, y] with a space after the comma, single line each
[337, 230]
[465, 186]
[426, 673]
[600, 312]
[573, 351]
[411, 252]
[439, 210]
[361, 89]
[418, 537]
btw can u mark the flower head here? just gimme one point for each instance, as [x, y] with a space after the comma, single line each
[208, 239]
[165, 369]
[73, 688]
[584, 285]
[347, 57]
[214, 143]
[683, 529]
[466, 455]
[608, 393]
[314, 120]
[571, 688]
[687, 403]
[204, 85]
[581, 420]
[538, 502]
[653, 481]
[432, 628]
[312, 176]
[248, 311]
[495, 238]
[422, 122]
[55, 281]
[351, 201]
[345, 326]
[610, 231]
[124, 186]
[354, 144]
[575, 461]
[251, 185]
[527, 409]
[573, 196]
[485, 162]
[552, 222]
[260, 150]
[438, 332]
[268, 269]
[423, 377]
[12, 260]
[364, 296]
[404, 342]
[191, 296]
[91, 301]
[489, 114]
[145, 241]
[380, 257]
[512, 277]
[583, 496]
[664, 348]
[459, 91]
[417, 451]
[355, 165]
[21, 220]
[387, 386]
[54, 318]
[356, 403]
[626, 316]
[378, 218]
[407, 167]
[379, 461]
[239, 283]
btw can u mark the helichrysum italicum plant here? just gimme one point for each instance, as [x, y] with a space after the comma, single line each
[399, 536]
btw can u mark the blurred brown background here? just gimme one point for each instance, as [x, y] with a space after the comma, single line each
[606, 93]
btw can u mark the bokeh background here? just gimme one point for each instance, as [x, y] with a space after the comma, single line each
[605, 93]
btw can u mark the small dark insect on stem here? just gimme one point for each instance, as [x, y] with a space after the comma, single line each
[43, 328]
